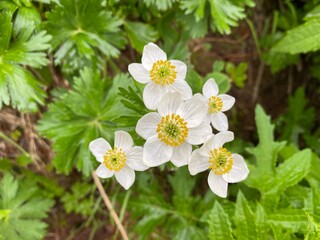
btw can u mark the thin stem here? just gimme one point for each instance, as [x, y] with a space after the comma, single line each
[110, 207]
[9, 140]
[254, 35]
[123, 210]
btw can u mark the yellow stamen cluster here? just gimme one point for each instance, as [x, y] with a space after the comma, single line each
[163, 72]
[215, 104]
[172, 130]
[221, 160]
[115, 159]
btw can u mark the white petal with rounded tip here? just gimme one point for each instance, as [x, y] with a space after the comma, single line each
[239, 170]
[99, 147]
[134, 159]
[147, 125]
[181, 86]
[198, 163]
[104, 172]
[217, 185]
[193, 111]
[181, 69]
[151, 54]
[156, 152]
[181, 154]
[139, 73]
[198, 135]
[123, 140]
[220, 121]
[125, 177]
[210, 88]
[228, 102]
[152, 95]
[170, 104]
[223, 137]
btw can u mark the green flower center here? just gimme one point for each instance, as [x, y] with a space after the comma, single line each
[115, 159]
[215, 104]
[172, 130]
[163, 72]
[221, 161]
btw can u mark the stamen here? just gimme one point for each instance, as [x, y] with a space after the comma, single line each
[215, 104]
[115, 159]
[172, 130]
[163, 73]
[221, 160]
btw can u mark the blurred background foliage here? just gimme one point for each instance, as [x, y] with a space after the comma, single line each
[64, 82]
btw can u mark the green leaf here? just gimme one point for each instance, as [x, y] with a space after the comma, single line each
[219, 224]
[82, 30]
[27, 49]
[190, 233]
[238, 74]
[140, 34]
[294, 220]
[93, 109]
[80, 199]
[302, 39]
[161, 5]
[21, 210]
[265, 152]
[224, 13]
[244, 218]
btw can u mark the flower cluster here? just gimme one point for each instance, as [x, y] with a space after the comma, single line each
[180, 120]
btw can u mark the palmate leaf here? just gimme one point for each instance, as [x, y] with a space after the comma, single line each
[21, 210]
[93, 109]
[82, 30]
[26, 49]
[224, 13]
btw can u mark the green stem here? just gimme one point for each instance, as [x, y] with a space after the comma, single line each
[123, 210]
[254, 35]
[9, 140]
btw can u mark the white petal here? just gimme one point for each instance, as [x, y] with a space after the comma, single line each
[151, 54]
[198, 163]
[198, 135]
[228, 102]
[220, 121]
[139, 73]
[210, 88]
[125, 177]
[123, 140]
[152, 95]
[99, 147]
[217, 185]
[193, 111]
[156, 152]
[223, 137]
[104, 172]
[147, 125]
[170, 104]
[181, 69]
[239, 170]
[134, 159]
[215, 141]
[181, 154]
[182, 87]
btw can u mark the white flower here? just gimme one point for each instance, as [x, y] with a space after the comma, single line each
[217, 104]
[161, 75]
[172, 130]
[120, 161]
[224, 167]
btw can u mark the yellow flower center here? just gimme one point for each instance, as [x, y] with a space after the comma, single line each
[163, 72]
[172, 130]
[215, 104]
[115, 159]
[221, 160]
